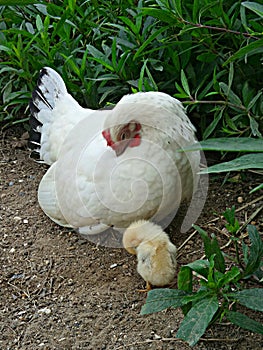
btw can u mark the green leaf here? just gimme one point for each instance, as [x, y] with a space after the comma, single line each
[200, 266]
[249, 161]
[5, 48]
[39, 23]
[162, 15]
[72, 4]
[211, 127]
[130, 24]
[149, 41]
[141, 79]
[232, 97]
[255, 251]
[254, 100]
[197, 320]
[83, 63]
[231, 123]
[228, 277]
[254, 126]
[230, 76]
[212, 247]
[18, 3]
[201, 294]
[99, 57]
[251, 298]
[181, 94]
[162, 298]
[230, 144]
[206, 57]
[184, 279]
[233, 224]
[254, 6]
[229, 215]
[211, 276]
[185, 283]
[257, 188]
[244, 321]
[250, 49]
[185, 83]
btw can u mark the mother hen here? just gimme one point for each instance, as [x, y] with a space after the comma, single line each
[109, 168]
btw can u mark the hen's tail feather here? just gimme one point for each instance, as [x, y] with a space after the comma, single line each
[50, 87]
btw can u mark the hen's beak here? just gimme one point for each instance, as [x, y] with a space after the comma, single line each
[120, 147]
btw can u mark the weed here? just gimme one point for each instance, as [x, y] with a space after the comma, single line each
[206, 54]
[209, 290]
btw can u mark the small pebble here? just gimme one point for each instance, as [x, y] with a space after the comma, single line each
[240, 200]
[70, 282]
[156, 336]
[113, 266]
[82, 241]
[17, 218]
[45, 310]
[11, 183]
[61, 339]
[25, 221]
[12, 250]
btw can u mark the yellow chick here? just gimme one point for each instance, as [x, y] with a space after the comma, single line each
[156, 255]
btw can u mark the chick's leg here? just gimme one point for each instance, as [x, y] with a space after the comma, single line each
[148, 287]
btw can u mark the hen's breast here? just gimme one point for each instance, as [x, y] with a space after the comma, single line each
[145, 182]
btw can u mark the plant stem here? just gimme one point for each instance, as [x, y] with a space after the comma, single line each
[220, 29]
[220, 102]
[237, 254]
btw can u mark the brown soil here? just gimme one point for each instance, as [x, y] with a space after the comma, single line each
[59, 291]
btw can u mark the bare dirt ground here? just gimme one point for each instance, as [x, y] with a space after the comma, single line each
[59, 291]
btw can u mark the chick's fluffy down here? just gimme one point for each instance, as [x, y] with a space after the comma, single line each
[156, 255]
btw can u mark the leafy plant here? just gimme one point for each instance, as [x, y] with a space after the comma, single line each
[208, 290]
[244, 144]
[207, 54]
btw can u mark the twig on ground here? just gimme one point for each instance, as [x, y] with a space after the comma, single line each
[148, 341]
[19, 289]
[221, 339]
[252, 216]
[39, 290]
[187, 239]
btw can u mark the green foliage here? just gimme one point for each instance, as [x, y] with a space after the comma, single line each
[212, 248]
[197, 319]
[209, 290]
[231, 144]
[18, 3]
[205, 53]
[232, 223]
[244, 321]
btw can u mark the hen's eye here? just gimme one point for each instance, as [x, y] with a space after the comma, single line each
[125, 135]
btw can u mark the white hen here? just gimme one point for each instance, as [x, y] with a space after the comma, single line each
[111, 167]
